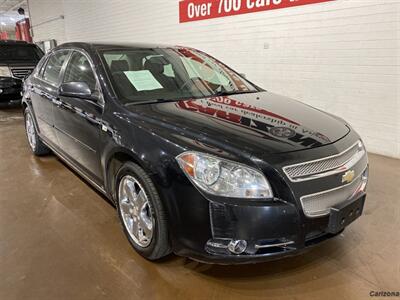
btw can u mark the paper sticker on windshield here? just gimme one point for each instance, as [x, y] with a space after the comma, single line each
[143, 80]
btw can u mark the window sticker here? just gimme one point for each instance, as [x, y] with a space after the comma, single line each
[143, 80]
[169, 71]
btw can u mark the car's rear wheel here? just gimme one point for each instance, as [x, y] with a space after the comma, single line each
[36, 145]
[141, 212]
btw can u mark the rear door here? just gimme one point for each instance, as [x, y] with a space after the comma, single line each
[44, 94]
[78, 121]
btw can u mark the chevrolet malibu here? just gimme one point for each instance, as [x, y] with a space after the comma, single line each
[197, 159]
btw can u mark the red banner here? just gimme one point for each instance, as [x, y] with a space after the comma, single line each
[194, 10]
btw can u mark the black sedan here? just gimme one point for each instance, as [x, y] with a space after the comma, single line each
[198, 160]
[17, 60]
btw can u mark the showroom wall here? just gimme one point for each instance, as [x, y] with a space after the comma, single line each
[47, 20]
[340, 56]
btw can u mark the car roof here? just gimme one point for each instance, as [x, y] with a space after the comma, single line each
[108, 46]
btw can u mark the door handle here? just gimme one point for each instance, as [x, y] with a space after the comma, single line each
[46, 95]
[56, 102]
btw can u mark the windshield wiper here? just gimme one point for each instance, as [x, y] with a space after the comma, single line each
[227, 93]
[163, 100]
[152, 101]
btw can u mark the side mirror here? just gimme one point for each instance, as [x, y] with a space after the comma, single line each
[77, 90]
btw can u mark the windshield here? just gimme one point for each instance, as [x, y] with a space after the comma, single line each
[170, 74]
[20, 53]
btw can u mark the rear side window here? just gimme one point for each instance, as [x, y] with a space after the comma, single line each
[54, 65]
[80, 70]
[39, 67]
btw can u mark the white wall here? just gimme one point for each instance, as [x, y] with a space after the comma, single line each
[47, 21]
[341, 56]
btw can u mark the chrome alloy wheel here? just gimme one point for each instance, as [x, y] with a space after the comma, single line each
[30, 131]
[135, 211]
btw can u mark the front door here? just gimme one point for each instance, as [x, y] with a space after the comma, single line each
[78, 121]
[44, 91]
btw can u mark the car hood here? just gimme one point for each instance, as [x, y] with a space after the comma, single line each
[262, 122]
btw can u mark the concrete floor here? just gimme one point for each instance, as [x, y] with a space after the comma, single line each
[59, 239]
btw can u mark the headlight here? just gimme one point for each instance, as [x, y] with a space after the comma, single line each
[222, 177]
[5, 72]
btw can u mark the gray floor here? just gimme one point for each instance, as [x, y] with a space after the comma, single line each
[59, 239]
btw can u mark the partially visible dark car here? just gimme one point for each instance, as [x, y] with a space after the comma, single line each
[198, 160]
[17, 60]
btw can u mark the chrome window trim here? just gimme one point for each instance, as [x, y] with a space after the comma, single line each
[332, 171]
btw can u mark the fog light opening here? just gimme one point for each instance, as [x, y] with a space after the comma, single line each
[237, 246]
[364, 182]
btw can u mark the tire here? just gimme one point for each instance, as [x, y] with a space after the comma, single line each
[37, 146]
[137, 217]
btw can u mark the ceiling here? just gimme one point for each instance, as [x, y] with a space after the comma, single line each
[9, 14]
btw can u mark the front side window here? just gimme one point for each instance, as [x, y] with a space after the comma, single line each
[170, 74]
[54, 65]
[80, 70]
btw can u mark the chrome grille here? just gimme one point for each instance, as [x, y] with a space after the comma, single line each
[319, 204]
[21, 72]
[304, 171]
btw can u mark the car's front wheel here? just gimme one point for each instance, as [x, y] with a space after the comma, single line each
[141, 212]
[37, 146]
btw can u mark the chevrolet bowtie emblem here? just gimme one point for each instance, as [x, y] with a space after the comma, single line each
[348, 176]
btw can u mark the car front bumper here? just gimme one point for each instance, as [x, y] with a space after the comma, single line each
[10, 89]
[271, 232]
[207, 229]
[231, 259]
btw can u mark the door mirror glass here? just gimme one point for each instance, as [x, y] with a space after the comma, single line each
[76, 89]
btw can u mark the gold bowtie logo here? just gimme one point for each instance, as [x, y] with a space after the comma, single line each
[348, 176]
